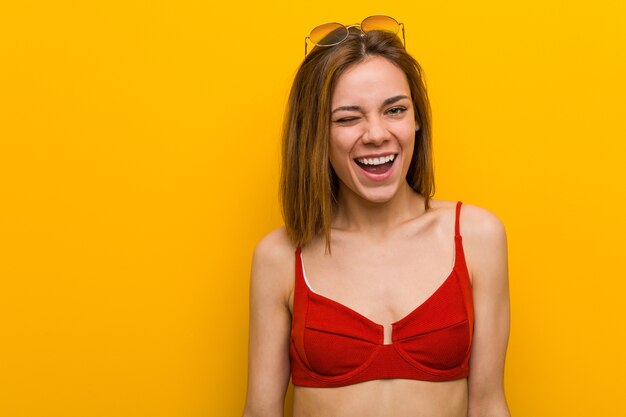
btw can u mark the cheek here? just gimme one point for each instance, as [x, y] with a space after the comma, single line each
[339, 149]
[410, 138]
[405, 135]
[408, 128]
[339, 162]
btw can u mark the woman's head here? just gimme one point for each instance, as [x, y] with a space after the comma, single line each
[309, 183]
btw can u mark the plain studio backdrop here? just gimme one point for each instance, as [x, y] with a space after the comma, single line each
[139, 160]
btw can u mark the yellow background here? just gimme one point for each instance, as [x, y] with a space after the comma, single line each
[139, 149]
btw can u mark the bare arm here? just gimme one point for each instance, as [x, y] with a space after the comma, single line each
[270, 324]
[488, 260]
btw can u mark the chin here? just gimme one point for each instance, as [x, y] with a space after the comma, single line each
[379, 196]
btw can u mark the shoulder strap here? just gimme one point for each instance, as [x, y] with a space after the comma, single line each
[457, 231]
[301, 283]
[298, 262]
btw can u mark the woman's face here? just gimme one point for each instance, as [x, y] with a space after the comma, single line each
[372, 133]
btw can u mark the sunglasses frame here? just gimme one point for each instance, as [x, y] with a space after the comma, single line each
[356, 25]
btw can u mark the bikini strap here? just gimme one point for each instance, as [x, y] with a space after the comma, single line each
[298, 262]
[457, 231]
[300, 284]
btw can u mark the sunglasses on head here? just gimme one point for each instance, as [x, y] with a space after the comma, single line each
[331, 34]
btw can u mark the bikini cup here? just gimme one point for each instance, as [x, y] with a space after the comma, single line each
[333, 345]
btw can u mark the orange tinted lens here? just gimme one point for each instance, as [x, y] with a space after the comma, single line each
[328, 34]
[385, 23]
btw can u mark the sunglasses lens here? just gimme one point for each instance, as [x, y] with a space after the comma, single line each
[328, 34]
[385, 23]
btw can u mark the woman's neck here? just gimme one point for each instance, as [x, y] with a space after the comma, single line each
[354, 214]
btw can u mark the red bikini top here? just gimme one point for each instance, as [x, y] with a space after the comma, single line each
[332, 345]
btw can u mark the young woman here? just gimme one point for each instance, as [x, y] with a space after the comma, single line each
[376, 299]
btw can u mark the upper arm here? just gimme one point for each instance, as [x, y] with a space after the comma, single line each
[486, 249]
[270, 324]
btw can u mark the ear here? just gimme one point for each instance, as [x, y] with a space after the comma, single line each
[417, 126]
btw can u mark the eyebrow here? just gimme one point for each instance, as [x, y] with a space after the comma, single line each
[387, 102]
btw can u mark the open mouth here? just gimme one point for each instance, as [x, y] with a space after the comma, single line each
[378, 165]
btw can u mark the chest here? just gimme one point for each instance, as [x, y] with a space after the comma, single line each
[383, 282]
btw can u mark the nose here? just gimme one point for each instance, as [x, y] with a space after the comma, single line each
[376, 132]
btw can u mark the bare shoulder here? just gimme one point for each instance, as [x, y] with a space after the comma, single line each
[484, 242]
[274, 247]
[480, 223]
[473, 219]
[273, 264]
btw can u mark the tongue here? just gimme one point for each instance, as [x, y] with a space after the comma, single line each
[376, 169]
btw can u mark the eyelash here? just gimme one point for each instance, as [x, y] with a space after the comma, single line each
[402, 109]
[351, 119]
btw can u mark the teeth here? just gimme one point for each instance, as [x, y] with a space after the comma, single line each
[376, 161]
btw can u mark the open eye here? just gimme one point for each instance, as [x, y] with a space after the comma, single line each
[394, 111]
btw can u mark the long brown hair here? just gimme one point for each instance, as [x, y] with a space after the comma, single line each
[308, 183]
